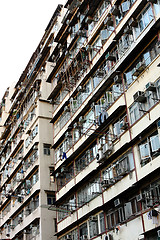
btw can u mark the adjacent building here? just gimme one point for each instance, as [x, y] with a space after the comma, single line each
[27, 187]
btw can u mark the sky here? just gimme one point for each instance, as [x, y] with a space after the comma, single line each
[22, 25]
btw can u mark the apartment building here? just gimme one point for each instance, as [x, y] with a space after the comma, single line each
[105, 93]
[27, 187]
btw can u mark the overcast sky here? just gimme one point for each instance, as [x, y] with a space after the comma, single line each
[22, 25]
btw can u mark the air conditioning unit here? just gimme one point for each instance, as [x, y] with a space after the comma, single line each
[128, 30]
[35, 147]
[93, 219]
[83, 237]
[115, 10]
[34, 231]
[68, 135]
[9, 189]
[20, 218]
[141, 237]
[108, 21]
[135, 72]
[123, 124]
[132, 22]
[117, 79]
[108, 151]
[158, 44]
[81, 89]
[93, 106]
[19, 177]
[20, 157]
[158, 124]
[116, 202]
[68, 237]
[26, 231]
[82, 33]
[82, 119]
[63, 169]
[139, 197]
[150, 87]
[66, 109]
[122, 171]
[28, 184]
[110, 57]
[107, 183]
[89, 48]
[75, 125]
[139, 97]
[140, 66]
[88, 20]
[74, 4]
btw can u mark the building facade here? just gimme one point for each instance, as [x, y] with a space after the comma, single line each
[80, 129]
[27, 187]
[105, 92]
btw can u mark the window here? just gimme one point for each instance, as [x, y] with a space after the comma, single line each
[96, 47]
[135, 112]
[157, 7]
[149, 148]
[144, 19]
[51, 175]
[144, 151]
[93, 226]
[83, 231]
[151, 98]
[155, 143]
[46, 149]
[51, 198]
[102, 222]
[151, 194]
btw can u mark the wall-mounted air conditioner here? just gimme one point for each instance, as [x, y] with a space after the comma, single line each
[122, 171]
[68, 135]
[110, 57]
[128, 30]
[81, 89]
[139, 97]
[84, 237]
[26, 231]
[107, 183]
[28, 184]
[20, 218]
[88, 20]
[63, 169]
[150, 87]
[66, 109]
[34, 231]
[116, 202]
[19, 177]
[158, 233]
[117, 79]
[68, 237]
[107, 150]
[108, 21]
[74, 4]
[158, 124]
[140, 66]
[133, 22]
[139, 197]
[93, 219]
[82, 119]
[123, 123]
[115, 10]
[135, 72]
